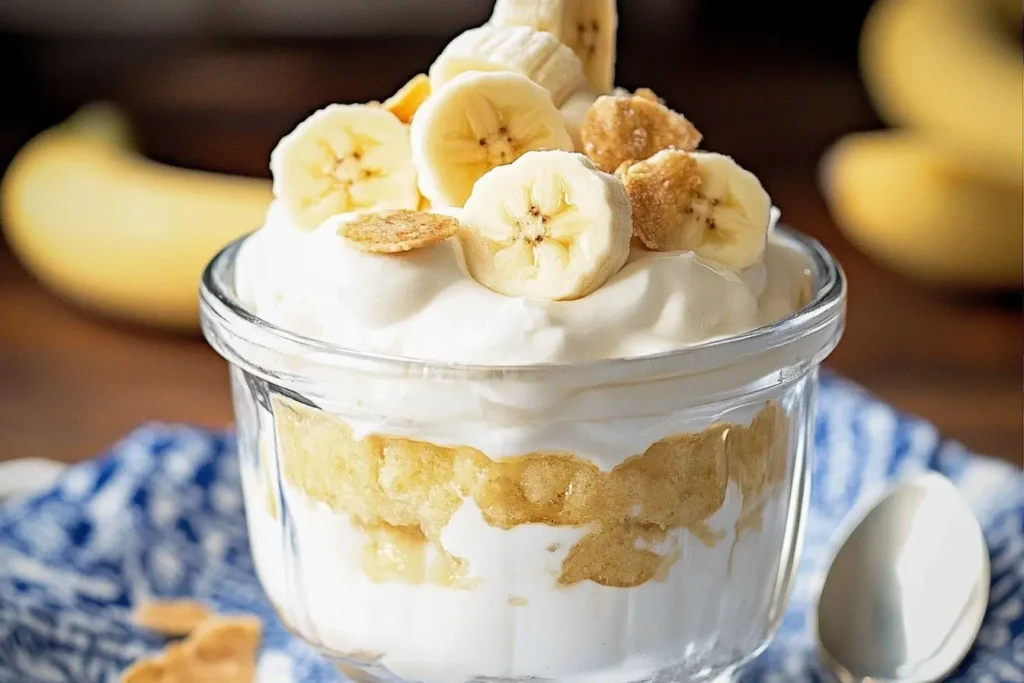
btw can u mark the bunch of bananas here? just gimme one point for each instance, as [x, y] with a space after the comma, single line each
[940, 199]
[110, 230]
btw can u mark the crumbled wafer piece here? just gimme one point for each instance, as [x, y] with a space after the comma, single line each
[171, 617]
[620, 128]
[178, 665]
[226, 637]
[648, 94]
[170, 666]
[661, 191]
[409, 97]
[390, 232]
[645, 93]
[221, 649]
[148, 670]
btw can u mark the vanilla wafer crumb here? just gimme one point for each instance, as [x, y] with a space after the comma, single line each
[661, 192]
[391, 232]
[219, 648]
[171, 617]
[620, 128]
[409, 97]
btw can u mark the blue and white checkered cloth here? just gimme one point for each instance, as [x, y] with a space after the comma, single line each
[161, 515]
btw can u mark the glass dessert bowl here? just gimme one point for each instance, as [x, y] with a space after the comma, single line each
[627, 519]
[524, 382]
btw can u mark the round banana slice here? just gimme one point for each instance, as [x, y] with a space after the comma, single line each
[345, 157]
[549, 226]
[477, 121]
[586, 26]
[537, 55]
[700, 202]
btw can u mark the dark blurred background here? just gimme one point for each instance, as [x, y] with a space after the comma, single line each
[773, 83]
[213, 84]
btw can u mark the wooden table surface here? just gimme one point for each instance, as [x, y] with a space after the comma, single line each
[71, 384]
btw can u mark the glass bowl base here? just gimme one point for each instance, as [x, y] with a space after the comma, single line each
[362, 672]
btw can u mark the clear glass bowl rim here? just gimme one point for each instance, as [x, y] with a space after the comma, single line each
[221, 312]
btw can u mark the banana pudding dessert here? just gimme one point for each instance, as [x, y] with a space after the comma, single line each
[523, 375]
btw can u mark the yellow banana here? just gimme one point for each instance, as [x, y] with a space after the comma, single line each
[905, 203]
[952, 69]
[107, 228]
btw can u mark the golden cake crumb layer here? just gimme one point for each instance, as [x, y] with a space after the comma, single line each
[401, 493]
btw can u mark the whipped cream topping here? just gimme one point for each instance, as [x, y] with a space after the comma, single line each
[422, 304]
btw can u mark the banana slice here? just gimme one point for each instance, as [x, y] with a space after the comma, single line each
[537, 55]
[587, 26]
[549, 226]
[478, 121]
[345, 157]
[700, 202]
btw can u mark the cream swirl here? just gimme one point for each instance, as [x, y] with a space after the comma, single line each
[423, 305]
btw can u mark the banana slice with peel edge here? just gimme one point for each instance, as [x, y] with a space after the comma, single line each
[343, 158]
[475, 122]
[586, 26]
[550, 225]
[521, 49]
[701, 202]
